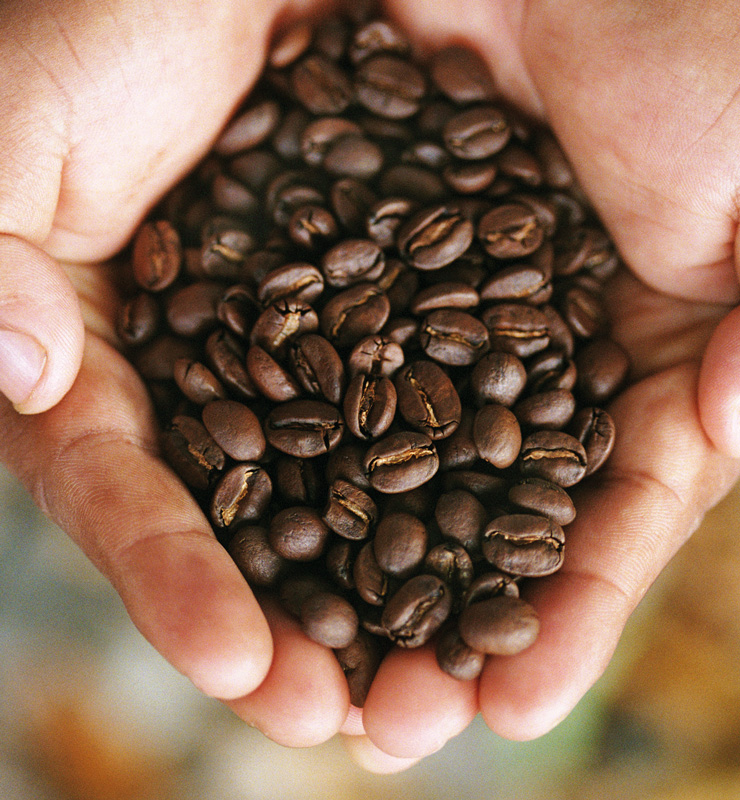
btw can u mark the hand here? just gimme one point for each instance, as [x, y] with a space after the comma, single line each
[85, 152]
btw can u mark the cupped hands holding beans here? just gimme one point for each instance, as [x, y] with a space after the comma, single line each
[432, 338]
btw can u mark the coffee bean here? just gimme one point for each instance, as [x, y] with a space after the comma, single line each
[350, 512]
[320, 85]
[434, 237]
[329, 619]
[452, 563]
[476, 133]
[543, 497]
[516, 328]
[461, 75]
[197, 382]
[157, 255]
[271, 379]
[461, 518]
[375, 355]
[427, 399]
[138, 321]
[298, 534]
[192, 452]
[227, 360]
[511, 230]
[304, 428]
[602, 367]
[192, 310]
[312, 227]
[258, 562]
[369, 405]
[400, 462]
[455, 657]
[447, 294]
[242, 494]
[415, 612]
[498, 377]
[500, 626]
[595, 429]
[497, 435]
[389, 86]
[235, 428]
[249, 128]
[318, 367]
[370, 581]
[524, 544]
[551, 409]
[352, 261]
[361, 310]
[359, 661]
[554, 456]
[400, 544]
[453, 337]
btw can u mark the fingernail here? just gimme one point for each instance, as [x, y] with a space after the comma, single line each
[22, 361]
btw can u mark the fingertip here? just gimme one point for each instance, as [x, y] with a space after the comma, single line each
[372, 759]
[41, 328]
[719, 386]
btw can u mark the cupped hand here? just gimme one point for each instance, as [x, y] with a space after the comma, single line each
[106, 105]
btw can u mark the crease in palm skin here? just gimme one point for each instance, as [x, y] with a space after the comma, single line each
[94, 135]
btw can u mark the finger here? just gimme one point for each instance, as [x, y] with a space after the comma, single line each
[719, 386]
[366, 755]
[41, 331]
[304, 699]
[91, 465]
[662, 477]
[414, 708]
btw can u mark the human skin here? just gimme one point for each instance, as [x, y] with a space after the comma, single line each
[107, 105]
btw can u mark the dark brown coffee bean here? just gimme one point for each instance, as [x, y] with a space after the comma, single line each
[377, 36]
[297, 280]
[350, 512]
[403, 331]
[551, 409]
[511, 230]
[304, 428]
[351, 201]
[419, 184]
[516, 162]
[554, 456]
[318, 367]
[238, 309]
[138, 320]
[241, 495]
[235, 428]
[453, 337]
[470, 177]
[340, 562]
[455, 657]
[361, 310]
[434, 237]
[491, 584]
[313, 227]
[583, 249]
[400, 462]
[524, 544]
[254, 169]
[281, 323]
[370, 581]
[191, 451]
[225, 251]
[551, 369]
[476, 133]
[426, 154]
[385, 217]
[286, 140]
[498, 378]
[369, 405]
[352, 261]
[516, 328]
[290, 45]
[526, 282]
[461, 517]
[595, 429]
[375, 355]
[543, 497]
[258, 562]
[499, 626]
[329, 619]
[197, 382]
[296, 587]
[298, 534]
[418, 502]
[497, 435]
[347, 462]
[249, 128]
[390, 86]
[191, 310]
[359, 662]
[447, 294]
[157, 255]
[452, 563]
[270, 379]
[461, 75]
[584, 312]
[458, 450]
[354, 156]
[602, 367]
[427, 399]
[416, 611]
[400, 544]
[320, 85]
[298, 481]
[226, 357]
[320, 135]
[561, 336]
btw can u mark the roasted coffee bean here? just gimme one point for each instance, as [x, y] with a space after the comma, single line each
[320, 135]
[350, 512]
[584, 312]
[157, 255]
[458, 450]
[543, 497]
[516, 328]
[369, 405]
[455, 657]
[282, 322]
[258, 562]
[235, 428]
[359, 661]
[400, 462]
[516, 162]
[192, 452]
[296, 587]
[403, 331]
[602, 367]
[550, 409]
[340, 561]
[524, 544]
[318, 367]
[225, 251]
[286, 140]
[371, 582]
[226, 357]
[271, 379]
[242, 494]
[361, 310]
[249, 128]
[386, 216]
[298, 481]
[497, 435]
[390, 86]
[197, 382]
[312, 227]
[347, 462]
[329, 619]
[561, 336]
[434, 237]
[191, 310]
[427, 399]
[351, 201]
[352, 261]
[320, 85]
[499, 626]
[354, 156]
[297, 280]
[447, 294]
[377, 36]
[528, 282]
[551, 369]
[375, 355]
[255, 169]
[304, 428]
[476, 133]
[138, 320]
[290, 45]
[511, 230]
[461, 75]
[461, 517]
[491, 584]
[452, 563]
[298, 534]
[470, 177]
[498, 377]
[400, 544]
[553, 455]
[453, 337]
[416, 611]
[238, 309]
[419, 184]
[426, 154]
[595, 429]
[582, 248]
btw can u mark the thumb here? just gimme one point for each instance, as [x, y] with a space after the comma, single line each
[41, 329]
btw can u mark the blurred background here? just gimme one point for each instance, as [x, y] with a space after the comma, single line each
[89, 711]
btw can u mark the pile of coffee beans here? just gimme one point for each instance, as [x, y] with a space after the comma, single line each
[372, 327]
